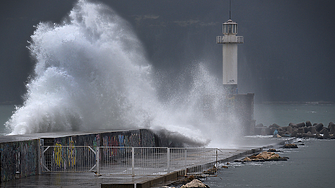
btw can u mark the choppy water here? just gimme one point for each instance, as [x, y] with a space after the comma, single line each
[283, 114]
[310, 165]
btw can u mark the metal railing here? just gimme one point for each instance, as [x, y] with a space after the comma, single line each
[229, 39]
[129, 160]
[68, 158]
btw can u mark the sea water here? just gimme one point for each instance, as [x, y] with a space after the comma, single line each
[283, 114]
[309, 165]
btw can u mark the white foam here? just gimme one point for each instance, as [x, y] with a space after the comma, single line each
[92, 73]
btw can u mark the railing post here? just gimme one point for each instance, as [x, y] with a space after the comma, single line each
[40, 157]
[97, 158]
[132, 161]
[216, 155]
[185, 161]
[168, 159]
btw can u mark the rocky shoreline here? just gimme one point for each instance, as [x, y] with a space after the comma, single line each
[299, 130]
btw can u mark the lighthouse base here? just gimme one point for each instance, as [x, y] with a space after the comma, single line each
[242, 105]
[230, 89]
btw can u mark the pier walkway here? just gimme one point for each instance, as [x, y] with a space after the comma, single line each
[90, 179]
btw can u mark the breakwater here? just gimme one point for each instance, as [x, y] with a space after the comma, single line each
[21, 154]
[300, 130]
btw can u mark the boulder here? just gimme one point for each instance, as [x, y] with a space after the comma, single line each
[331, 127]
[290, 146]
[294, 133]
[308, 124]
[301, 130]
[246, 159]
[274, 126]
[211, 171]
[302, 124]
[264, 156]
[325, 133]
[313, 130]
[194, 183]
[293, 125]
[319, 127]
[289, 129]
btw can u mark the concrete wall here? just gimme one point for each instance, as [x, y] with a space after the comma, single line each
[19, 159]
[131, 138]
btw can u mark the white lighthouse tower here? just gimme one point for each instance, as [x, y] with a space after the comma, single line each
[229, 54]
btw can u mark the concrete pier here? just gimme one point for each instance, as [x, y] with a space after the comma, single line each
[88, 179]
[21, 164]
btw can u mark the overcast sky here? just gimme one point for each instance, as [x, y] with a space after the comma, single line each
[288, 52]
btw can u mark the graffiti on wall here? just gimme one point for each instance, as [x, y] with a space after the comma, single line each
[19, 159]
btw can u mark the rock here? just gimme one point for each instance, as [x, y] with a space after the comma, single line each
[302, 124]
[274, 126]
[308, 124]
[264, 156]
[293, 125]
[319, 127]
[325, 133]
[194, 183]
[183, 181]
[331, 127]
[211, 171]
[290, 146]
[224, 166]
[306, 129]
[301, 130]
[273, 150]
[246, 159]
[294, 133]
[313, 130]
[289, 129]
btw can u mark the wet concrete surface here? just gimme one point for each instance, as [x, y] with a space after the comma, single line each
[87, 179]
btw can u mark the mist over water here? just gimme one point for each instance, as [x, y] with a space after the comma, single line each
[92, 73]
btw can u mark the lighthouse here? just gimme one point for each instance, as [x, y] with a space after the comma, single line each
[241, 105]
[229, 42]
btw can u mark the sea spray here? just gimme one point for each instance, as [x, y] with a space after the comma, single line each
[91, 73]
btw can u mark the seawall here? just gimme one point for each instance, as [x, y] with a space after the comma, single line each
[20, 154]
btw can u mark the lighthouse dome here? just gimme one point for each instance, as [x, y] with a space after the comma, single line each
[229, 28]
